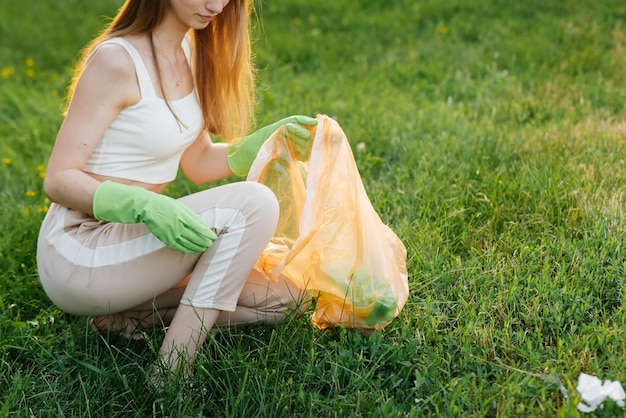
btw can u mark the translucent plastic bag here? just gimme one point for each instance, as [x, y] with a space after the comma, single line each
[329, 239]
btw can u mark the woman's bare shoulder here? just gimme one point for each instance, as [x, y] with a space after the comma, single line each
[110, 71]
[111, 59]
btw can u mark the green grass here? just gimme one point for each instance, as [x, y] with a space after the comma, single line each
[494, 138]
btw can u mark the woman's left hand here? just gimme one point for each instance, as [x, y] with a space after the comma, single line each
[242, 153]
[299, 136]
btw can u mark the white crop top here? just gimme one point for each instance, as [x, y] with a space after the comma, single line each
[145, 142]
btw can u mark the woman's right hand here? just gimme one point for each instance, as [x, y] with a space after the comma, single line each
[175, 224]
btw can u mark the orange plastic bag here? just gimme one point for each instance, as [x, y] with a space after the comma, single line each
[329, 238]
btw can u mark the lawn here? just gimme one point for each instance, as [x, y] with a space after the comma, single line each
[491, 138]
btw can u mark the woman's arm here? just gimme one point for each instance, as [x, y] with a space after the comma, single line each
[205, 161]
[107, 85]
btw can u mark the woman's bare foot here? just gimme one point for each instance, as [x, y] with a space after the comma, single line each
[132, 324]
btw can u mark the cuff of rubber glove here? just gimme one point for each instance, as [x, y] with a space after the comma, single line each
[236, 159]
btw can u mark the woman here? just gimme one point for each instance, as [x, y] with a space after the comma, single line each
[147, 93]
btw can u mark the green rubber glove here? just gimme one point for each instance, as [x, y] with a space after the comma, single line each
[175, 224]
[241, 154]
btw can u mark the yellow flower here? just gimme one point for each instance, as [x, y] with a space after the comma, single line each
[30, 72]
[42, 209]
[40, 167]
[42, 174]
[7, 72]
[6, 160]
[30, 62]
[443, 30]
[30, 193]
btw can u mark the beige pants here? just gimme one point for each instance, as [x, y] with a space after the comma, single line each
[89, 267]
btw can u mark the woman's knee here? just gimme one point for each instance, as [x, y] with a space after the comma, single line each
[263, 198]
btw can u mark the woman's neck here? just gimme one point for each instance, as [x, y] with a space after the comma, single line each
[168, 36]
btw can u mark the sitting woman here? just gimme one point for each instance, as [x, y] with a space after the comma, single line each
[146, 95]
